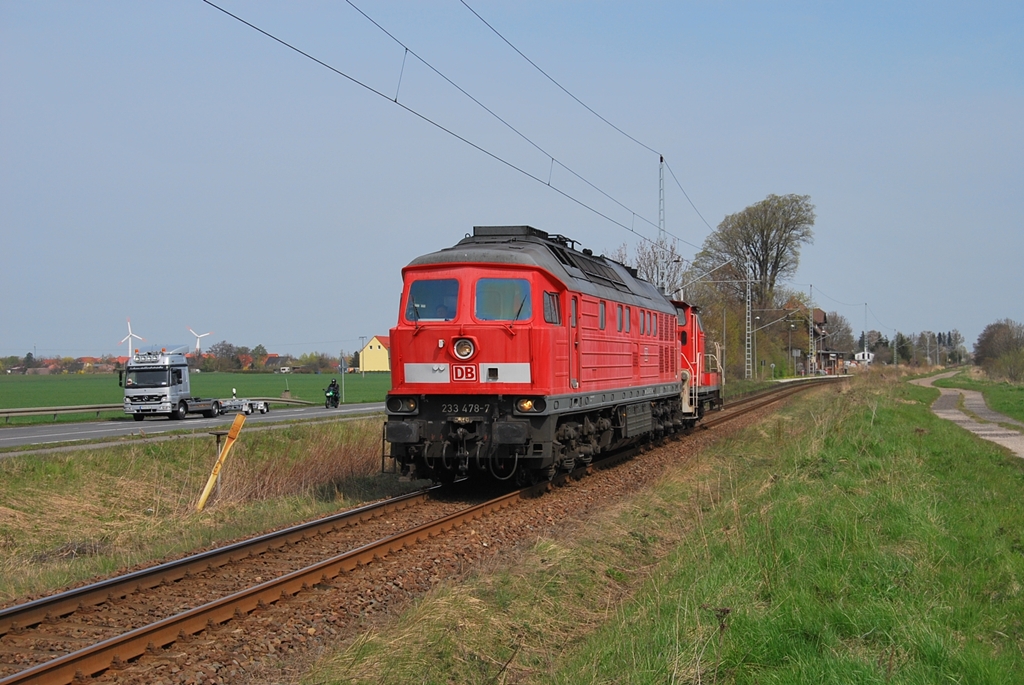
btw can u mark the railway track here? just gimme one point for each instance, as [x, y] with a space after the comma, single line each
[86, 631]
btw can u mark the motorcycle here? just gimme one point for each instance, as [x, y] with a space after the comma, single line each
[331, 399]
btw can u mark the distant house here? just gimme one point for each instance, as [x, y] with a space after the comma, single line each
[376, 355]
[864, 358]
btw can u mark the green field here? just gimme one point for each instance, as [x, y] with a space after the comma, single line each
[69, 390]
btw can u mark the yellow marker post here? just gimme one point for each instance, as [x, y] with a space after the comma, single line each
[236, 428]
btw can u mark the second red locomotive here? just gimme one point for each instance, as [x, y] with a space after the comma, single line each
[516, 355]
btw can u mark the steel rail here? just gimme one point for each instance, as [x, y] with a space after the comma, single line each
[123, 648]
[109, 653]
[755, 402]
[34, 612]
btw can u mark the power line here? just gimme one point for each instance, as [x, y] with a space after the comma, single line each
[686, 195]
[552, 158]
[450, 132]
[560, 86]
[594, 112]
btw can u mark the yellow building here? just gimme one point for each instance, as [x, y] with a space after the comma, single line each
[376, 355]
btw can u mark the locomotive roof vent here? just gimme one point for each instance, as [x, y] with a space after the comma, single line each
[522, 232]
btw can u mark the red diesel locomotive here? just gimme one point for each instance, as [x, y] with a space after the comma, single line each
[516, 355]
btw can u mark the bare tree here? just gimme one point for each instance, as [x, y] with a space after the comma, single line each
[762, 243]
[657, 262]
[840, 333]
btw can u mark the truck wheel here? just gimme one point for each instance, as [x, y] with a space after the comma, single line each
[179, 412]
[264, 409]
[138, 417]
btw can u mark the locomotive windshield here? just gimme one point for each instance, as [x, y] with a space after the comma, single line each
[146, 378]
[432, 300]
[503, 299]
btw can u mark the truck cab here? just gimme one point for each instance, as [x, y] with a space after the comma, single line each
[157, 383]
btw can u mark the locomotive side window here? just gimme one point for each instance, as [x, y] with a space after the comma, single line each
[618, 318]
[552, 309]
[433, 300]
[628, 314]
[572, 315]
[642, 318]
[654, 323]
[601, 315]
[503, 299]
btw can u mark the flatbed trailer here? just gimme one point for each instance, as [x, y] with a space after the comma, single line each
[244, 406]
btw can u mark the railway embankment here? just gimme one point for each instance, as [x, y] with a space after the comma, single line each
[853, 536]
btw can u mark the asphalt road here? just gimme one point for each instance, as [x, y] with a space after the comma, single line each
[50, 435]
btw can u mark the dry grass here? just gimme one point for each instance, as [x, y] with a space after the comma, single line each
[66, 518]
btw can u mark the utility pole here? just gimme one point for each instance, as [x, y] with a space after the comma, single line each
[343, 367]
[812, 352]
[748, 369]
[792, 368]
[362, 353]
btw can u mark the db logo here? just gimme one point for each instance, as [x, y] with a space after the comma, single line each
[463, 372]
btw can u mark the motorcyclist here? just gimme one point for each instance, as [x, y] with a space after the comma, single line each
[333, 390]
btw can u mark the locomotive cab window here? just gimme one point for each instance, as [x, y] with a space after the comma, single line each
[503, 299]
[433, 300]
[552, 309]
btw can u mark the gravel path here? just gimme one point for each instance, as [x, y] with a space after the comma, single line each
[978, 419]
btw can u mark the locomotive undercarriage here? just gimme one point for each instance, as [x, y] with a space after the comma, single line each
[502, 444]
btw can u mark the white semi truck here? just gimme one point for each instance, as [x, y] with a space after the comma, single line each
[157, 384]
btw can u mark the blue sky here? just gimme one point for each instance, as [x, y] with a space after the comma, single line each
[163, 161]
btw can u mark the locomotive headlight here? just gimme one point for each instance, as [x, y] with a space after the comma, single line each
[464, 348]
[401, 405]
[527, 405]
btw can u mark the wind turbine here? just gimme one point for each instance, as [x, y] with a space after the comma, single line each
[129, 337]
[198, 337]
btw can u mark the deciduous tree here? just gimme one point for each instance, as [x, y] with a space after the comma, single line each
[761, 243]
[998, 339]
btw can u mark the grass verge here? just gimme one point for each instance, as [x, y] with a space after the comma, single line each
[65, 518]
[853, 537]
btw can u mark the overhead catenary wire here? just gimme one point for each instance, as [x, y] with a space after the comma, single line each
[592, 111]
[550, 78]
[449, 131]
[538, 147]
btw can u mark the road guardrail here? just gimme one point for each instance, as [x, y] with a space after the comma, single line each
[99, 408]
